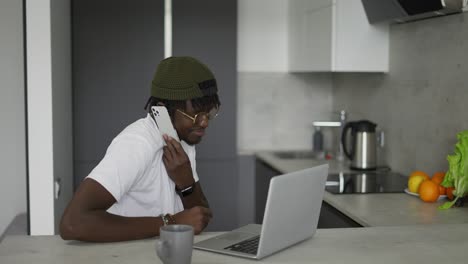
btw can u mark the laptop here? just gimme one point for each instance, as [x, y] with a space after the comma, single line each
[291, 215]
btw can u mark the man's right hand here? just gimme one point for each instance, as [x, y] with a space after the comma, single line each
[198, 217]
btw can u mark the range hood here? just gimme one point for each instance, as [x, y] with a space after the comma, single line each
[408, 10]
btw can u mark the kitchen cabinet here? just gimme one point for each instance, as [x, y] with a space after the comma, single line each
[262, 32]
[329, 216]
[263, 174]
[334, 35]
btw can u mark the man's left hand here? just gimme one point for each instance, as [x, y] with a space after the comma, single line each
[177, 163]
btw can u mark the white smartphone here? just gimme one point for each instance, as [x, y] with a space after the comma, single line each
[163, 121]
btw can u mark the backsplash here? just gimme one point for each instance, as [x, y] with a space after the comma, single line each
[276, 110]
[422, 102]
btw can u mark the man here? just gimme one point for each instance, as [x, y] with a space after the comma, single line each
[140, 184]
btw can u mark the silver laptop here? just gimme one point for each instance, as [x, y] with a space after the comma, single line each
[291, 215]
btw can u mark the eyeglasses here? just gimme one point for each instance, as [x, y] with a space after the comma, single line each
[198, 118]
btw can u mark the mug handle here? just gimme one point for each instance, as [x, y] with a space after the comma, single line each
[162, 249]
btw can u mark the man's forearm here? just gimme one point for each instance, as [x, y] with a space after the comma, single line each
[196, 198]
[100, 226]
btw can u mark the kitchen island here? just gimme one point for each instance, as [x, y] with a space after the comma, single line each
[399, 229]
[373, 209]
[406, 244]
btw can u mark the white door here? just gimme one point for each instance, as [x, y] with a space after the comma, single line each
[49, 112]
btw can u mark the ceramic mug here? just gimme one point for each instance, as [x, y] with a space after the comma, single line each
[175, 244]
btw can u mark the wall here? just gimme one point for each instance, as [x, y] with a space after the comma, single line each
[207, 29]
[276, 110]
[12, 113]
[116, 47]
[49, 112]
[421, 102]
[62, 103]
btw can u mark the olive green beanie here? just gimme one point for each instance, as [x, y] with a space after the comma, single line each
[182, 78]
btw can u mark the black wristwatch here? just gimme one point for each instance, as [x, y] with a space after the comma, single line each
[185, 191]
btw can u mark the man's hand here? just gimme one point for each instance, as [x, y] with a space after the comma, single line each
[179, 169]
[198, 217]
[177, 163]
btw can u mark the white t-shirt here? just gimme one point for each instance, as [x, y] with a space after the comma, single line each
[133, 172]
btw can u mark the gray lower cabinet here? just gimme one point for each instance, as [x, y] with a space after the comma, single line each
[263, 174]
[330, 217]
[219, 181]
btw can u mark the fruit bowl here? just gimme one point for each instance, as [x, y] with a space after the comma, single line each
[441, 197]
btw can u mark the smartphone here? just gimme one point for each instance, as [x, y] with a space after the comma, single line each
[163, 121]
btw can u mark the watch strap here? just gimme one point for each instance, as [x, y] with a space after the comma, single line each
[185, 191]
[168, 219]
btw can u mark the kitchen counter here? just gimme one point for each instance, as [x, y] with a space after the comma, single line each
[374, 209]
[407, 244]
[290, 165]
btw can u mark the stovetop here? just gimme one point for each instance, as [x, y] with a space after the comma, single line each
[381, 181]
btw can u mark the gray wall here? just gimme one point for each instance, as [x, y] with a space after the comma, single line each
[207, 29]
[422, 102]
[117, 45]
[62, 103]
[276, 110]
[116, 48]
[12, 113]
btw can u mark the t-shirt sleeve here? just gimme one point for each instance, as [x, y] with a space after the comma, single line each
[122, 166]
[193, 163]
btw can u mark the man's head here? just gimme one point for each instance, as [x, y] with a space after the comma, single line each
[188, 89]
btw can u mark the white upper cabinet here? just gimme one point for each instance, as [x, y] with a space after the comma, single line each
[309, 36]
[262, 38]
[334, 35]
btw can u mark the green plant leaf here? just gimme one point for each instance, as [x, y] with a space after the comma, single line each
[447, 205]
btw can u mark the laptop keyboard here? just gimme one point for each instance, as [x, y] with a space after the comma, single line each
[249, 246]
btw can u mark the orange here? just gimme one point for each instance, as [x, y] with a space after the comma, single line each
[429, 191]
[414, 173]
[438, 177]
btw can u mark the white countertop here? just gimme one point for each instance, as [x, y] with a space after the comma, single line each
[378, 209]
[434, 244]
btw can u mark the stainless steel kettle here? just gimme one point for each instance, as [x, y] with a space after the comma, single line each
[363, 152]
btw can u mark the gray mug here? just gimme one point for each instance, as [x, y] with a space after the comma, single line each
[175, 244]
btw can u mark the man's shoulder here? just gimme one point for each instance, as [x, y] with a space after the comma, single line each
[143, 131]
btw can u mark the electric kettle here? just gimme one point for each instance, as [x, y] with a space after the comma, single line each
[363, 152]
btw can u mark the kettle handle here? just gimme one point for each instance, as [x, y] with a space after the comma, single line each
[343, 140]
